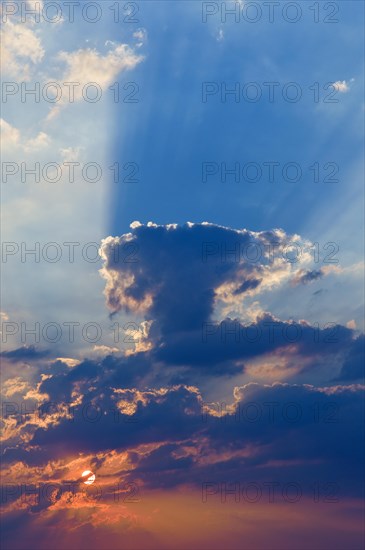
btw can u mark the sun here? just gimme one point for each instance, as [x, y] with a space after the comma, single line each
[88, 477]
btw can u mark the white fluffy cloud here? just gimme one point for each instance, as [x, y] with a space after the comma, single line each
[342, 86]
[21, 50]
[86, 66]
[251, 268]
[141, 36]
[12, 139]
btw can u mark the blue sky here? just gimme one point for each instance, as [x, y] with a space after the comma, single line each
[171, 137]
[161, 265]
[169, 133]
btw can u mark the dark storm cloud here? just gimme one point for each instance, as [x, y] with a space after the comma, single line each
[171, 275]
[110, 371]
[216, 347]
[247, 285]
[303, 277]
[174, 271]
[269, 432]
[353, 368]
[99, 424]
[150, 398]
[24, 353]
[297, 432]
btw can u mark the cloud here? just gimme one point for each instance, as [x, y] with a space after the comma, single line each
[145, 417]
[175, 273]
[306, 276]
[24, 353]
[177, 277]
[12, 139]
[220, 35]
[105, 350]
[222, 348]
[33, 4]
[22, 50]
[249, 442]
[342, 86]
[69, 361]
[171, 436]
[353, 368]
[247, 285]
[141, 36]
[86, 66]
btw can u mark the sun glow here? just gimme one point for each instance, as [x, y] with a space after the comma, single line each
[88, 477]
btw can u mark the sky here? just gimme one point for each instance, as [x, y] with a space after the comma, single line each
[182, 300]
